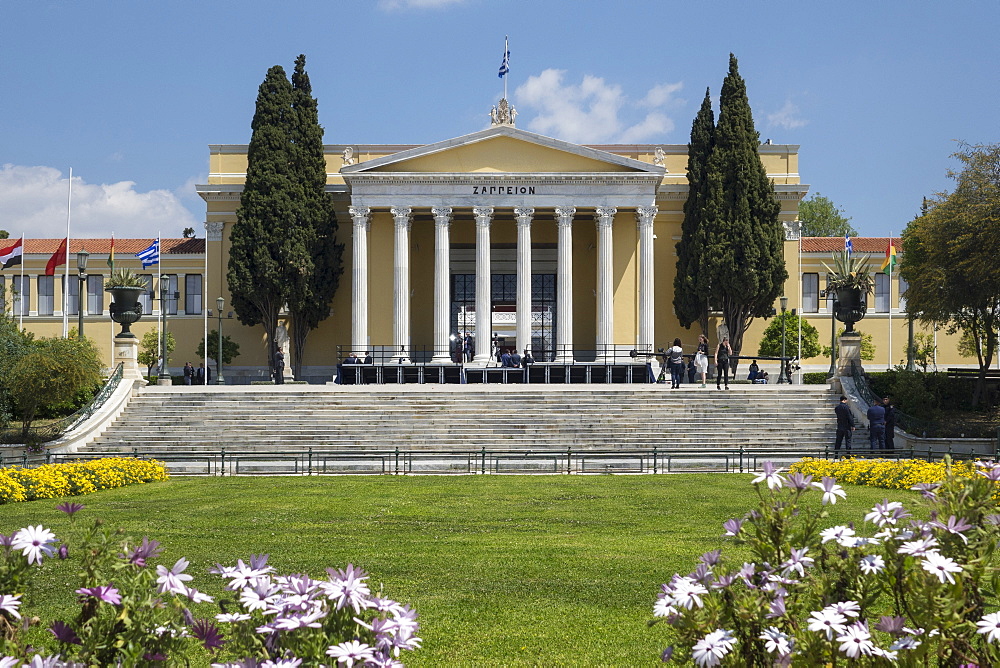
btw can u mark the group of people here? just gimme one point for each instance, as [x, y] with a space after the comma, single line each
[881, 425]
[672, 360]
[756, 376]
[509, 359]
[354, 359]
[200, 376]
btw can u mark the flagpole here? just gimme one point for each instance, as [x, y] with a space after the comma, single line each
[69, 202]
[160, 341]
[204, 310]
[505, 50]
[21, 306]
[801, 300]
[888, 255]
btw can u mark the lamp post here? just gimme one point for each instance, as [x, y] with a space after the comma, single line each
[81, 265]
[782, 378]
[163, 377]
[221, 303]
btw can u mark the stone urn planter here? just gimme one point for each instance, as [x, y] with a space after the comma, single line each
[125, 308]
[849, 307]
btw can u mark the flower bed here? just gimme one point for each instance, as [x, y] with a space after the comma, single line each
[52, 481]
[885, 473]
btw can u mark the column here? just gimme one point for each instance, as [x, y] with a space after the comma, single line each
[401, 284]
[523, 218]
[564, 285]
[359, 278]
[644, 216]
[484, 303]
[442, 278]
[605, 217]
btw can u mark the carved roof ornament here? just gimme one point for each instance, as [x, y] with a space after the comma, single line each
[503, 113]
[348, 156]
[659, 156]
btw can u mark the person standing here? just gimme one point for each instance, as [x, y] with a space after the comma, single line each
[515, 359]
[188, 373]
[470, 347]
[845, 426]
[691, 370]
[279, 367]
[505, 359]
[890, 423]
[202, 375]
[876, 426]
[676, 362]
[722, 354]
[701, 358]
[754, 370]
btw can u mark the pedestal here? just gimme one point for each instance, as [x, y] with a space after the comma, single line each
[850, 350]
[127, 353]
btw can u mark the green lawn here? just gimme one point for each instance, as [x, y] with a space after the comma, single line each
[551, 570]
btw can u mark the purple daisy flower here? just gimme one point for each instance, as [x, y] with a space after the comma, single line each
[206, 631]
[64, 633]
[139, 555]
[106, 593]
[70, 507]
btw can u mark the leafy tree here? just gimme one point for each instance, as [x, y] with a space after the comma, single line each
[950, 261]
[744, 256]
[53, 372]
[230, 349]
[4, 234]
[257, 273]
[923, 350]
[690, 282]
[188, 232]
[313, 256]
[14, 344]
[822, 218]
[770, 342]
[148, 347]
[867, 344]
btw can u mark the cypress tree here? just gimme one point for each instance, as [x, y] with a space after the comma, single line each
[690, 284]
[256, 272]
[315, 257]
[744, 254]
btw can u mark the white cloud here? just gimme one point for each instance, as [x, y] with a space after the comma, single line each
[594, 111]
[33, 202]
[392, 5]
[787, 117]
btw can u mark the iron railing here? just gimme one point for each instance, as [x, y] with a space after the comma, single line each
[52, 430]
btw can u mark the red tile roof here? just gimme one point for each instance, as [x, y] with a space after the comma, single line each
[103, 246]
[874, 245]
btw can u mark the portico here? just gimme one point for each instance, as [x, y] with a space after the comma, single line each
[533, 187]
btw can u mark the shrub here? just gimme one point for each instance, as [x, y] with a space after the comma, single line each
[815, 378]
[52, 481]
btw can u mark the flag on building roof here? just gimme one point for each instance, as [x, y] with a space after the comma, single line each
[890, 259]
[151, 255]
[505, 63]
[848, 245]
[58, 258]
[11, 256]
[111, 254]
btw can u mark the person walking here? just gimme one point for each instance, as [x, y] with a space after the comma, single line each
[876, 426]
[188, 373]
[701, 358]
[890, 423]
[722, 354]
[676, 362]
[279, 367]
[845, 426]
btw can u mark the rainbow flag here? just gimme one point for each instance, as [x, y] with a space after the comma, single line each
[890, 259]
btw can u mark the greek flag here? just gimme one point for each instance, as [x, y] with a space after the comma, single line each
[848, 244]
[505, 65]
[151, 255]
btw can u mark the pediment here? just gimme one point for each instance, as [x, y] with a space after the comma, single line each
[502, 149]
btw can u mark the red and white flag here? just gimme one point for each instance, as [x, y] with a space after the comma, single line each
[11, 256]
[58, 258]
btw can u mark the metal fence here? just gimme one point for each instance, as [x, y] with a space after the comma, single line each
[52, 430]
[315, 461]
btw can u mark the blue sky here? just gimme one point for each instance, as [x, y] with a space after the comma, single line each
[130, 95]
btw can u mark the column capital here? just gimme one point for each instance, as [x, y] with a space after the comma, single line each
[360, 215]
[483, 214]
[523, 216]
[214, 230]
[605, 216]
[402, 215]
[442, 215]
[564, 215]
[644, 216]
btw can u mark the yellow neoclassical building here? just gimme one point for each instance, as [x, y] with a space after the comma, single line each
[569, 250]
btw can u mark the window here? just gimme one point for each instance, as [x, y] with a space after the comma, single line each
[73, 306]
[95, 295]
[22, 295]
[46, 295]
[170, 280]
[810, 293]
[881, 293]
[192, 294]
[146, 298]
[903, 286]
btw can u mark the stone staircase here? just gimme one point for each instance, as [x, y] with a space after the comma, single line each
[466, 418]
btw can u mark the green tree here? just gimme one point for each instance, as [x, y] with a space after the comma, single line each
[230, 349]
[4, 234]
[820, 217]
[744, 255]
[269, 201]
[950, 261]
[52, 373]
[690, 282]
[149, 347]
[867, 344]
[770, 342]
[924, 349]
[314, 258]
